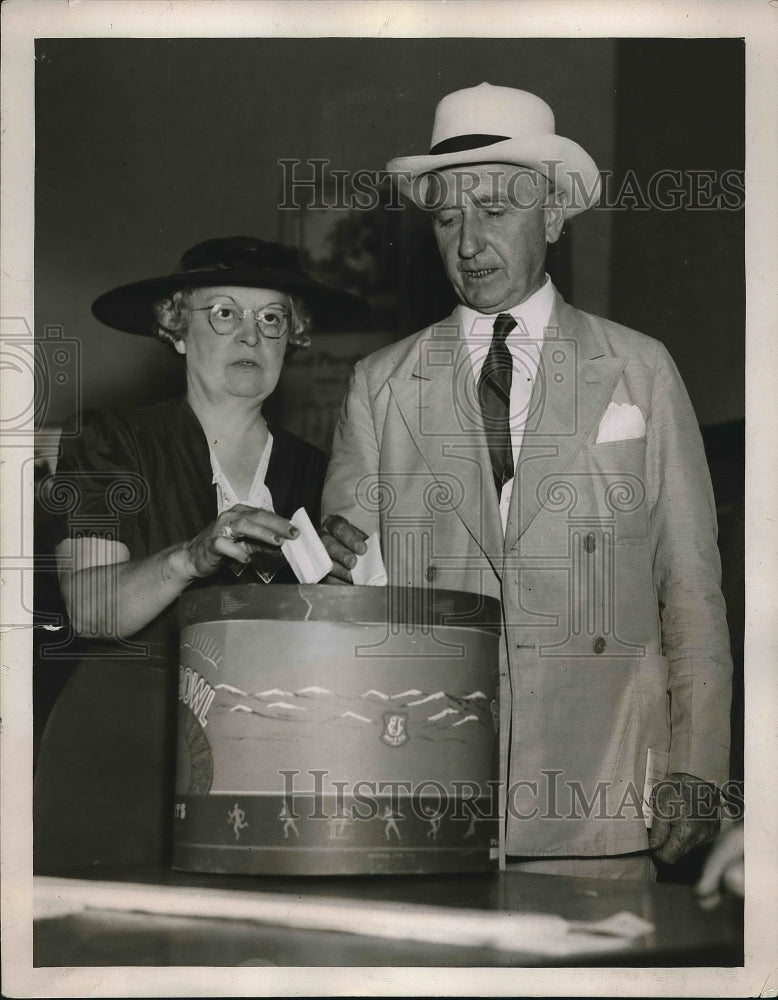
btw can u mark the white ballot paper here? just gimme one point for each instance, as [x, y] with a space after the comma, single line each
[306, 553]
[370, 570]
[657, 762]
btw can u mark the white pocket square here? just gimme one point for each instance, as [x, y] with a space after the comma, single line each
[622, 422]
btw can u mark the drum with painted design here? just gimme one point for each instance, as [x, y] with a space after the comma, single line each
[337, 730]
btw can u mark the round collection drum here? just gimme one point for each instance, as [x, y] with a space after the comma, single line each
[337, 730]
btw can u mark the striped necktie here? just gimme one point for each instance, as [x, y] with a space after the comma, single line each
[494, 394]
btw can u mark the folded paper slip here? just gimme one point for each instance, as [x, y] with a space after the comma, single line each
[306, 553]
[539, 933]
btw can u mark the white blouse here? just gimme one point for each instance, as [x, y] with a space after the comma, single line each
[259, 494]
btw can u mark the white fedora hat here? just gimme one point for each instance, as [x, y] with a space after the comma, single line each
[487, 124]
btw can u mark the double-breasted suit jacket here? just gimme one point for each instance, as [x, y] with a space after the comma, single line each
[615, 645]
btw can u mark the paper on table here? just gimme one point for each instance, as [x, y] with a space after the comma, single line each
[540, 933]
[306, 553]
[370, 570]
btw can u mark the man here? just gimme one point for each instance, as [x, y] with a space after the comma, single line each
[531, 452]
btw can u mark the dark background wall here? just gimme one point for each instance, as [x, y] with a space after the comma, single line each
[679, 275]
[144, 147]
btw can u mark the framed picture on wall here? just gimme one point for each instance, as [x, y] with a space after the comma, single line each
[348, 239]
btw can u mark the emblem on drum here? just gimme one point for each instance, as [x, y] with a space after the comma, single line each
[395, 729]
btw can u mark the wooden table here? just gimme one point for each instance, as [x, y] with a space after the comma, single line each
[684, 934]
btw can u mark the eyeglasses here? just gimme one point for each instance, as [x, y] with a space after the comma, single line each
[225, 318]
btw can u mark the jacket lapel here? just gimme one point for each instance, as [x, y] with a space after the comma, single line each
[439, 406]
[573, 386]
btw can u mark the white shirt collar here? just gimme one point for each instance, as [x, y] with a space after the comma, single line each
[531, 315]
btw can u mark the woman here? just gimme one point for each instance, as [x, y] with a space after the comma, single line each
[185, 493]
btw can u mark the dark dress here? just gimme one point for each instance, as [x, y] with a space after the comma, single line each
[103, 790]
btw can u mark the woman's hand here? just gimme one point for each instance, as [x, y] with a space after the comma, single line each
[109, 595]
[235, 534]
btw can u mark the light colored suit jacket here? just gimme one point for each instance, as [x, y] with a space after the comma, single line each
[615, 641]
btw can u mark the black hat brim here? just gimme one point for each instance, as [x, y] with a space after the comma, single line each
[129, 308]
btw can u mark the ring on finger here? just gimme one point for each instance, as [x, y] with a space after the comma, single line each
[227, 531]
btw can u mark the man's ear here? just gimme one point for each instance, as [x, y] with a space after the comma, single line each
[554, 219]
[180, 346]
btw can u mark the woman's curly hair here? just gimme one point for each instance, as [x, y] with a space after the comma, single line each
[172, 316]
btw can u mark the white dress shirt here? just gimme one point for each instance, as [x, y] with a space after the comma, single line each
[524, 342]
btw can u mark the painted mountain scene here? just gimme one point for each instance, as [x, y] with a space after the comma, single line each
[264, 709]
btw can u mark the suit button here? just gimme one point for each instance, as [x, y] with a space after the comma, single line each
[430, 573]
[599, 645]
[590, 543]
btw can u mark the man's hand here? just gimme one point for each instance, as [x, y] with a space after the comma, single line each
[343, 542]
[723, 868]
[686, 816]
